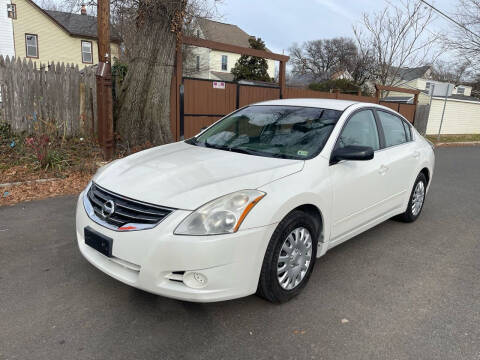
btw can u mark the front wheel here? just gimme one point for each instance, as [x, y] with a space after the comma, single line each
[417, 198]
[289, 258]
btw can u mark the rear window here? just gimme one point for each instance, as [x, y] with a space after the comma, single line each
[393, 129]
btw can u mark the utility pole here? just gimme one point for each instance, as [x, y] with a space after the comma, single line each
[104, 80]
[443, 112]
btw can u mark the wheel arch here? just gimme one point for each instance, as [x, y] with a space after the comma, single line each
[426, 172]
[315, 213]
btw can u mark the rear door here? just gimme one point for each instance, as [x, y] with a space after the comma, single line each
[358, 186]
[400, 157]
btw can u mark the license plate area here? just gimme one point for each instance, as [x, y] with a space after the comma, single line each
[99, 242]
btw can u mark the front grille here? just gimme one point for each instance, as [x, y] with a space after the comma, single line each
[125, 210]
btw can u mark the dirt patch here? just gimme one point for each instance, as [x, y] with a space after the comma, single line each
[63, 166]
[69, 162]
[72, 184]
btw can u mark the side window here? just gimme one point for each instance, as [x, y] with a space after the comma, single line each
[31, 45]
[392, 128]
[361, 129]
[12, 11]
[87, 56]
[224, 62]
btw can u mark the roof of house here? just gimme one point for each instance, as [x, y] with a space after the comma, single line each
[408, 74]
[79, 25]
[224, 33]
[223, 76]
[461, 97]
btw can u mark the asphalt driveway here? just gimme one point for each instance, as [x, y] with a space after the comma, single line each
[398, 291]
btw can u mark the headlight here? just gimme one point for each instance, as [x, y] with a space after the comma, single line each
[220, 216]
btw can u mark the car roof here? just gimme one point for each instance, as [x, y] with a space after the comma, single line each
[320, 103]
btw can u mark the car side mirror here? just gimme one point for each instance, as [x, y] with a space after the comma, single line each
[351, 152]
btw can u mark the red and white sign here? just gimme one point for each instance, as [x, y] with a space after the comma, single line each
[218, 85]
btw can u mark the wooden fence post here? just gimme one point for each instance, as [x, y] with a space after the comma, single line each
[282, 79]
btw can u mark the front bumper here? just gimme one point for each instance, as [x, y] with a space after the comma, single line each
[154, 260]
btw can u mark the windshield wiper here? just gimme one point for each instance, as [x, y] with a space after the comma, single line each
[219, 147]
[245, 151]
[242, 150]
[258, 153]
[192, 141]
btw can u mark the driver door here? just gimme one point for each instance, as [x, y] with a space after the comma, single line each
[358, 186]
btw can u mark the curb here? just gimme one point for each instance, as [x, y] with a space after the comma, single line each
[28, 182]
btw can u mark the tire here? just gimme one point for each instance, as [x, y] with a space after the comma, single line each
[410, 215]
[269, 286]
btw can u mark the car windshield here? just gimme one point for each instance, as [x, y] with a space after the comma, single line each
[290, 132]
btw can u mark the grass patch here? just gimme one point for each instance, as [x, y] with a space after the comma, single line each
[454, 138]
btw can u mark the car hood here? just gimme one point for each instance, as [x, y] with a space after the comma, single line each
[185, 176]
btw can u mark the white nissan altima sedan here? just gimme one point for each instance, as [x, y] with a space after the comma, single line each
[248, 205]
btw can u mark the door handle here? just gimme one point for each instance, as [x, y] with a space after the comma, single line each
[416, 154]
[383, 169]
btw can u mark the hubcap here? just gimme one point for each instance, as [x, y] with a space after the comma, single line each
[294, 258]
[418, 197]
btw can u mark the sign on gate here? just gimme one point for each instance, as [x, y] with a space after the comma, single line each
[218, 85]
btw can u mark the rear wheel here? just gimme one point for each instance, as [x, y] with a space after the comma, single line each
[417, 199]
[289, 258]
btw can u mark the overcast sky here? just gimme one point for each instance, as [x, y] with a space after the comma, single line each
[282, 22]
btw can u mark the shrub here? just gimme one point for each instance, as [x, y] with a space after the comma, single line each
[5, 131]
[343, 85]
[119, 69]
[39, 144]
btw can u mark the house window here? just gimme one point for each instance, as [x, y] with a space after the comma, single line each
[197, 65]
[87, 56]
[460, 90]
[198, 33]
[12, 11]
[31, 45]
[224, 62]
[427, 85]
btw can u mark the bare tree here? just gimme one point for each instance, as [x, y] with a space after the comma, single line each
[452, 72]
[54, 5]
[149, 30]
[465, 39]
[321, 58]
[397, 37]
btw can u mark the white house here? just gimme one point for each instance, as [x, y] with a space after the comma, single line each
[420, 78]
[212, 64]
[7, 13]
[452, 102]
[460, 116]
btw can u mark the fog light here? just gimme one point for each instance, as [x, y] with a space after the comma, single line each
[195, 280]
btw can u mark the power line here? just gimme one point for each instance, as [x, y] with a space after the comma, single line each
[451, 19]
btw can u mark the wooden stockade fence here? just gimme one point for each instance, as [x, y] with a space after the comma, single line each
[57, 93]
